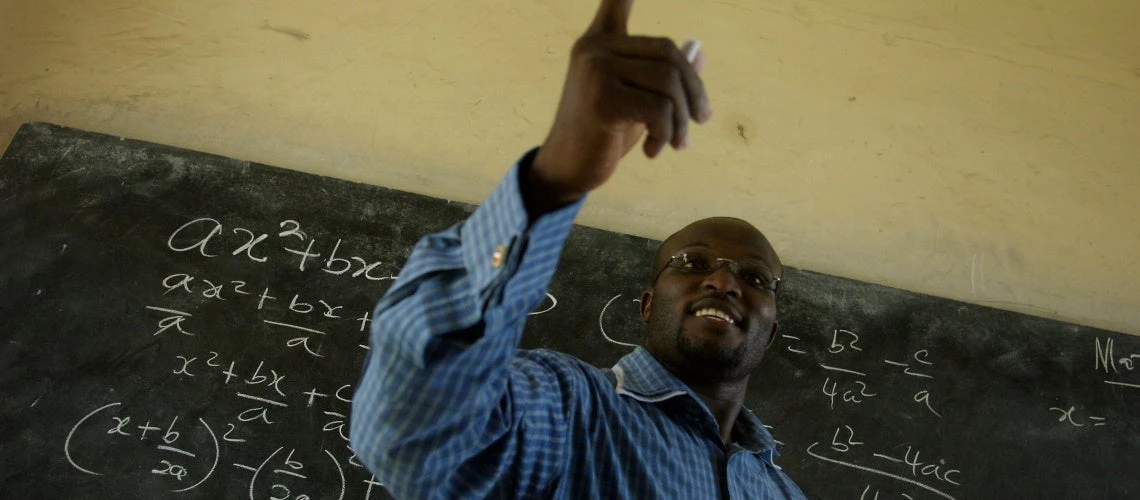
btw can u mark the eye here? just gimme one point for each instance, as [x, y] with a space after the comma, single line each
[756, 276]
[753, 279]
[695, 262]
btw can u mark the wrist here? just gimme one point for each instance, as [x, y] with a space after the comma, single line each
[541, 192]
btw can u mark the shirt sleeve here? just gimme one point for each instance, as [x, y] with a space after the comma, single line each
[437, 410]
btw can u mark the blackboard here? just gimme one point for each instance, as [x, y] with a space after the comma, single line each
[180, 325]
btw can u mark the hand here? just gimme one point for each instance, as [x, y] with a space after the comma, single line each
[618, 86]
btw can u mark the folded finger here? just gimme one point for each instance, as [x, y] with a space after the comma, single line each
[663, 49]
[649, 108]
[664, 80]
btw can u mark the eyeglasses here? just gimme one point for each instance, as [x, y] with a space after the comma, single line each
[751, 273]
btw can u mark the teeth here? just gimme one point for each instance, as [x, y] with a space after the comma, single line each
[714, 313]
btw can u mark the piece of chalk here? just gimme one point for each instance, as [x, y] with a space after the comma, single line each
[690, 48]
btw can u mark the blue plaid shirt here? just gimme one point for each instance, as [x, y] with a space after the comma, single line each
[449, 407]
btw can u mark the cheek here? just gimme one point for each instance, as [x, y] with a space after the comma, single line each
[666, 308]
[667, 296]
[764, 313]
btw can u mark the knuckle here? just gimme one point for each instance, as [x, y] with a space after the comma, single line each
[592, 59]
[583, 45]
[664, 44]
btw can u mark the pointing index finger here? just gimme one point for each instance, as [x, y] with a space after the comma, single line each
[612, 17]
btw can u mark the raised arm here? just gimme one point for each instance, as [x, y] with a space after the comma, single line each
[444, 406]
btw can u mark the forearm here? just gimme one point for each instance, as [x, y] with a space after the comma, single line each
[443, 336]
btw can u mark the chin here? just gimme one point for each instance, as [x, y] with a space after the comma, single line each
[710, 352]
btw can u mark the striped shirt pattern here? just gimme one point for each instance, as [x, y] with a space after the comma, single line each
[449, 407]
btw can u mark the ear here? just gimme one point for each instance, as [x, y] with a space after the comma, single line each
[646, 303]
[772, 336]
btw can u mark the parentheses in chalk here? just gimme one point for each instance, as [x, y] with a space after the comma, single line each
[258, 471]
[67, 442]
[217, 455]
[602, 327]
[339, 470]
[553, 304]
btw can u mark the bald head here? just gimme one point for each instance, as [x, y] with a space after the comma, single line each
[716, 230]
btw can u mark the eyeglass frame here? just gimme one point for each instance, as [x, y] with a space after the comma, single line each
[733, 267]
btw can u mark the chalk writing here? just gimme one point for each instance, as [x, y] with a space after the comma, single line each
[849, 386]
[930, 476]
[553, 304]
[919, 469]
[302, 340]
[793, 348]
[185, 369]
[922, 363]
[288, 476]
[168, 322]
[203, 236]
[171, 462]
[846, 341]
[1066, 415]
[1106, 359]
[867, 494]
[602, 326]
[854, 393]
[844, 444]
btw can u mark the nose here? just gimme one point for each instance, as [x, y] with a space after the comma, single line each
[723, 280]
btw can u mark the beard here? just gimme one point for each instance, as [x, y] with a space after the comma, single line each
[724, 360]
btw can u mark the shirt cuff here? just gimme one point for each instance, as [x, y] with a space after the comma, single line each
[498, 236]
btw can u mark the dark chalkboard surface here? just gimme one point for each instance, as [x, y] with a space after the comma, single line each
[175, 324]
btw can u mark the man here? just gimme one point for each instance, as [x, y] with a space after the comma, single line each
[448, 407]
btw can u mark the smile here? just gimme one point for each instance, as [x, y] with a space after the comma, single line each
[710, 312]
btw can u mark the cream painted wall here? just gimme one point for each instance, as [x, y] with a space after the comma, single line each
[979, 150]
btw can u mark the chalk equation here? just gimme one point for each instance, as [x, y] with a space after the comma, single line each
[289, 472]
[299, 337]
[170, 458]
[1112, 363]
[177, 454]
[903, 463]
[254, 398]
[845, 385]
[204, 236]
[1082, 419]
[273, 397]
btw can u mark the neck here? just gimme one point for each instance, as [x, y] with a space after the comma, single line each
[724, 400]
[722, 392]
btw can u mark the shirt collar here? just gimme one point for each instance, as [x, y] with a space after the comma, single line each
[751, 435]
[641, 377]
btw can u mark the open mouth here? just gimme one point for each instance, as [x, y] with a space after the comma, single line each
[715, 314]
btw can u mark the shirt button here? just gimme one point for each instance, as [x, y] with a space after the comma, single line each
[498, 256]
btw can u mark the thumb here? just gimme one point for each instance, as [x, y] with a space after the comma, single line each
[612, 17]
